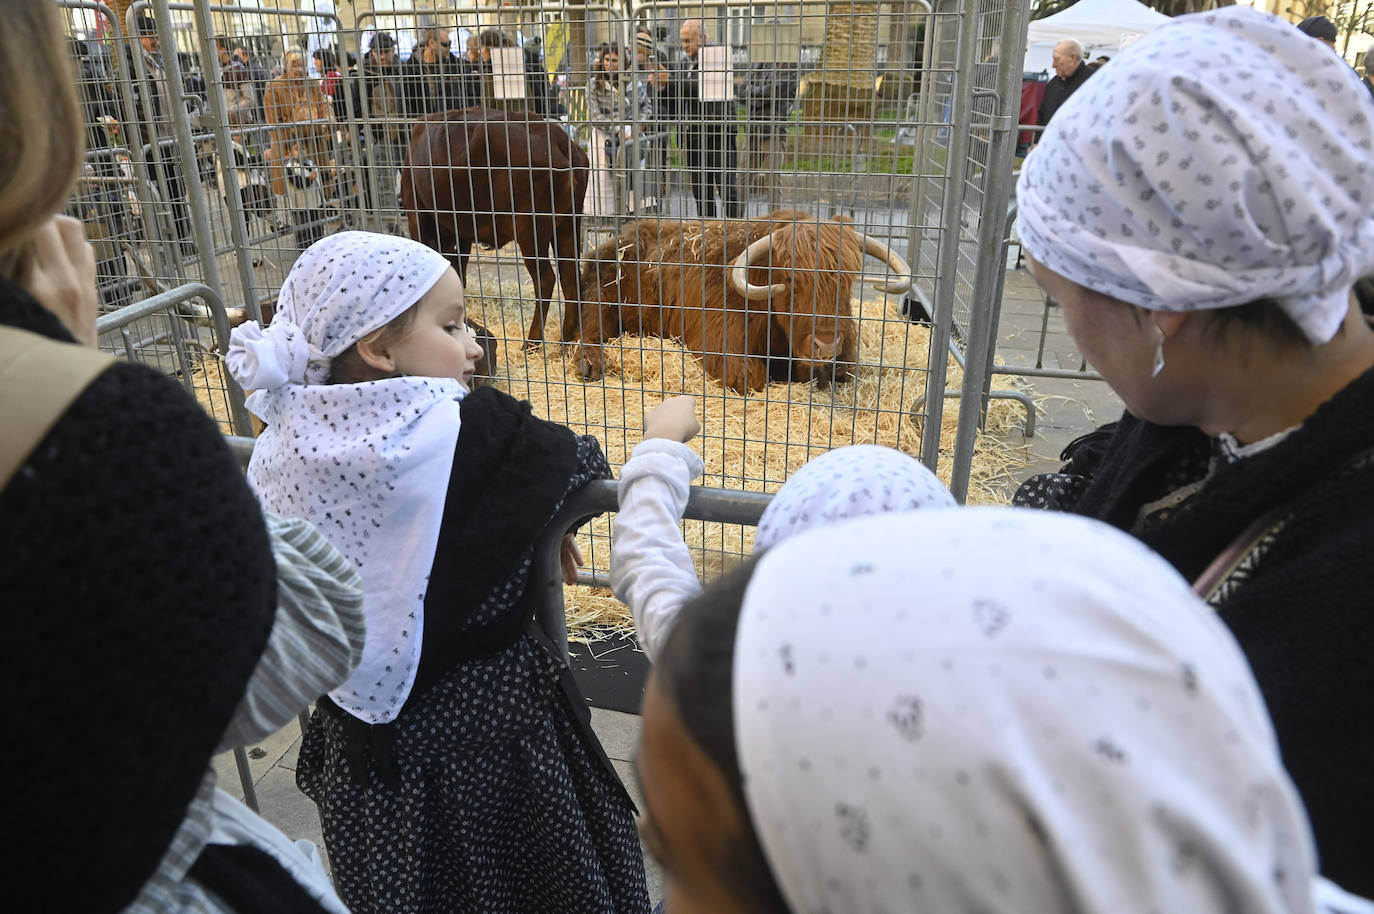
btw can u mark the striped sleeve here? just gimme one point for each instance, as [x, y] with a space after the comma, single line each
[317, 635]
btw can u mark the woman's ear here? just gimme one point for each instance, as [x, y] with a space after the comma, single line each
[376, 356]
[1169, 322]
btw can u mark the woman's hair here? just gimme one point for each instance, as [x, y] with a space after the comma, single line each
[1263, 317]
[495, 38]
[292, 58]
[41, 135]
[327, 59]
[348, 366]
[696, 672]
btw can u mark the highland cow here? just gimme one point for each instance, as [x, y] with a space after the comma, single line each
[757, 300]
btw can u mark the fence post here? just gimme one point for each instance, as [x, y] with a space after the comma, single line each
[992, 220]
[946, 260]
[181, 124]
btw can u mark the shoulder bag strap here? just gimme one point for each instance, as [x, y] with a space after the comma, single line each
[39, 379]
[1234, 556]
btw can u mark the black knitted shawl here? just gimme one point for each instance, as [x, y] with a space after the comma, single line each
[139, 589]
[510, 475]
[1305, 615]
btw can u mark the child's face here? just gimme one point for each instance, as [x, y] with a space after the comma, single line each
[438, 344]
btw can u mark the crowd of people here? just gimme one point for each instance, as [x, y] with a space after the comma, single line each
[1144, 688]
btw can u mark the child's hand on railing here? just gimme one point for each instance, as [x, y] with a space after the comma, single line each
[674, 419]
[570, 557]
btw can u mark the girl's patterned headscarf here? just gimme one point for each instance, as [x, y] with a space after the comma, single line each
[997, 710]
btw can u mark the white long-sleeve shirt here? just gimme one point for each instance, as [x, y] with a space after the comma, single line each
[651, 570]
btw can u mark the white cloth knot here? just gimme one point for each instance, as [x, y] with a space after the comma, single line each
[265, 359]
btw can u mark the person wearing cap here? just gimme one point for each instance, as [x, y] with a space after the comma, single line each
[1202, 219]
[379, 99]
[1320, 28]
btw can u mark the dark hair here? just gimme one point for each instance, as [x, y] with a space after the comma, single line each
[495, 38]
[696, 672]
[1264, 317]
[348, 366]
[326, 58]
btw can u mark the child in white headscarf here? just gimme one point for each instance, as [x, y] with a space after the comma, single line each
[1039, 715]
[1201, 210]
[652, 570]
[456, 768]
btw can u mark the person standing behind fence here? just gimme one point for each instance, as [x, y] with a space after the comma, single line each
[456, 770]
[379, 100]
[1070, 72]
[433, 83]
[240, 99]
[706, 130]
[301, 118]
[154, 112]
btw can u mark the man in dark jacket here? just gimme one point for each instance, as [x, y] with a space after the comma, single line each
[431, 78]
[1070, 73]
[706, 130]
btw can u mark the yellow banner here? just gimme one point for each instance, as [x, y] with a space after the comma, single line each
[555, 46]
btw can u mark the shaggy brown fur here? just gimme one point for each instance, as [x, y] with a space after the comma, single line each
[667, 279]
[491, 177]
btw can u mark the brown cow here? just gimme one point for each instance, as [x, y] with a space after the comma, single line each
[758, 300]
[491, 177]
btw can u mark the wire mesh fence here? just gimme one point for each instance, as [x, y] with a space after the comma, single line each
[722, 199]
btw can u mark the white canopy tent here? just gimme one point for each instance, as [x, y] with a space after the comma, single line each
[1101, 26]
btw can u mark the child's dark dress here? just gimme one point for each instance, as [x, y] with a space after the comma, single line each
[489, 793]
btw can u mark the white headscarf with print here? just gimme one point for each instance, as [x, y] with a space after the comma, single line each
[1034, 714]
[1223, 159]
[369, 463]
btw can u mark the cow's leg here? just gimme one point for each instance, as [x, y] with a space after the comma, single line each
[535, 251]
[565, 252]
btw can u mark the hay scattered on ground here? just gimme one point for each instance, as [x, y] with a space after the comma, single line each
[210, 382]
[752, 443]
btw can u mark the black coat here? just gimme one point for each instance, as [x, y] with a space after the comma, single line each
[1059, 90]
[1303, 613]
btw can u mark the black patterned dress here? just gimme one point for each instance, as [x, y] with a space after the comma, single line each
[489, 793]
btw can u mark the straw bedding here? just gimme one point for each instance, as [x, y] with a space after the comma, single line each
[747, 442]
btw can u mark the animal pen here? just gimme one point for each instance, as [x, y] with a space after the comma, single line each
[868, 190]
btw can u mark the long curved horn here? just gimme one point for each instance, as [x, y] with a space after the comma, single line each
[894, 262]
[739, 271]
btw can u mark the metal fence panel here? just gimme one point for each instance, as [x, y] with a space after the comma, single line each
[823, 125]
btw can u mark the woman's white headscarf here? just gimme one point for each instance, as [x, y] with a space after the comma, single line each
[998, 710]
[368, 464]
[1223, 159]
[849, 482]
